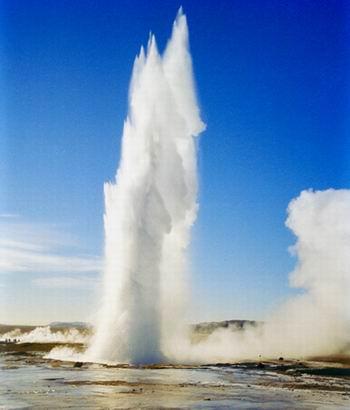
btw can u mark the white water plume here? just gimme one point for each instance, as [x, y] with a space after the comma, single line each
[150, 208]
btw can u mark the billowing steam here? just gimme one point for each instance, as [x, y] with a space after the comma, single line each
[317, 322]
[44, 334]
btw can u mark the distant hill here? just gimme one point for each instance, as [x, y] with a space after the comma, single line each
[201, 331]
[9, 328]
[65, 325]
[209, 327]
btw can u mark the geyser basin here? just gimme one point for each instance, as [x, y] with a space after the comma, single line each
[150, 208]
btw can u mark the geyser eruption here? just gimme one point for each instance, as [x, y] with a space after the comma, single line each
[149, 213]
[150, 208]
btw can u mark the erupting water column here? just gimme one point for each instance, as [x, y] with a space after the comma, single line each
[150, 209]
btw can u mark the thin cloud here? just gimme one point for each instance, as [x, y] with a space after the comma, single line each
[66, 282]
[41, 248]
[7, 216]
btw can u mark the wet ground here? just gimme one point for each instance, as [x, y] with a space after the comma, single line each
[27, 380]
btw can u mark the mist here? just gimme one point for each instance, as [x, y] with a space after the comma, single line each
[44, 334]
[316, 322]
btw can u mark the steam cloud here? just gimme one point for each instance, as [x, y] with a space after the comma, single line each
[317, 322]
[44, 334]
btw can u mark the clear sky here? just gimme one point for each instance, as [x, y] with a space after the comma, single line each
[273, 85]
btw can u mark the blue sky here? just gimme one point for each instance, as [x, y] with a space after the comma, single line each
[272, 79]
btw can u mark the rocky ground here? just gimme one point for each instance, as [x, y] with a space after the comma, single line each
[28, 380]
